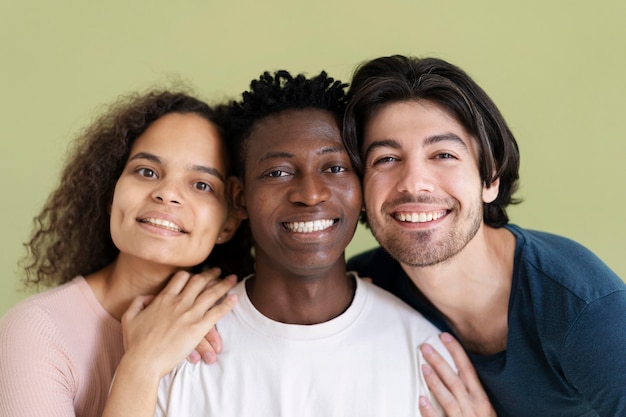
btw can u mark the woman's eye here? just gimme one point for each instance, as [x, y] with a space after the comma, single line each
[203, 186]
[147, 172]
[444, 155]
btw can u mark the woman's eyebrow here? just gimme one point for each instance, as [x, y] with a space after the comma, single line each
[198, 168]
[209, 170]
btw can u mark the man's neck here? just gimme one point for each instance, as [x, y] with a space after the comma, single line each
[472, 289]
[293, 298]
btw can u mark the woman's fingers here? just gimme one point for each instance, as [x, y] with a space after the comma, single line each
[137, 306]
[219, 310]
[211, 294]
[194, 293]
[466, 370]
[459, 394]
[159, 333]
[450, 402]
[427, 409]
[211, 344]
[182, 280]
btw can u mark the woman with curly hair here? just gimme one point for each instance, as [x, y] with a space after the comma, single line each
[140, 205]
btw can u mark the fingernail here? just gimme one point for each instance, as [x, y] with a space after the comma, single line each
[426, 370]
[446, 337]
[193, 357]
[427, 349]
[423, 401]
[208, 357]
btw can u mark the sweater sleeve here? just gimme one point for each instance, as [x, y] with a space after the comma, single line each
[36, 376]
[594, 355]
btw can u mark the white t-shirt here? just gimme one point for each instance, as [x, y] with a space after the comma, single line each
[365, 362]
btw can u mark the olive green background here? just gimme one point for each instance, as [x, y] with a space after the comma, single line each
[555, 68]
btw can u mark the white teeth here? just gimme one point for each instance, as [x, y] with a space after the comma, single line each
[162, 223]
[421, 217]
[309, 227]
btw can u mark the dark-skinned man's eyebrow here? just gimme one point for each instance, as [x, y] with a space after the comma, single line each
[276, 155]
[289, 155]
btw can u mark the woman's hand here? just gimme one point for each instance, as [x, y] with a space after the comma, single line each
[208, 348]
[211, 344]
[161, 330]
[460, 395]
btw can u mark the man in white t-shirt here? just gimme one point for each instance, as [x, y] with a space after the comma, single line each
[306, 338]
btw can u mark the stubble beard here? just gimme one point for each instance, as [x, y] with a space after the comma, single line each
[423, 248]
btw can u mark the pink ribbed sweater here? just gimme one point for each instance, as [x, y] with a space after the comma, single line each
[58, 353]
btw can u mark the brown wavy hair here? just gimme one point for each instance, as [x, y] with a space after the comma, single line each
[399, 78]
[71, 235]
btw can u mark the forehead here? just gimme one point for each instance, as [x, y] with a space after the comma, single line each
[187, 137]
[293, 128]
[411, 118]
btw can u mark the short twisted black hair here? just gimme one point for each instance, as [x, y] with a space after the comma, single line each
[274, 93]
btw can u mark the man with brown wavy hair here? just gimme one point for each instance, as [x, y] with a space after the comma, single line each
[541, 317]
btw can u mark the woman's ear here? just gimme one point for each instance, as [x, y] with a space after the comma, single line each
[237, 211]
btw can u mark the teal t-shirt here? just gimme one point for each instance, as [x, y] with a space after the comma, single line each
[566, 344]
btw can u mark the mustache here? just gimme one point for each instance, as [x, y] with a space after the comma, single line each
[415, 199]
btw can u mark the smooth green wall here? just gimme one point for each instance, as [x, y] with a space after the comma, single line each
[555, 68]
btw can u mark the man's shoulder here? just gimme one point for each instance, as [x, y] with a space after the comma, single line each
[393, 314]
[372, 259]
[543, 240]
[562, 261]
[379, 266]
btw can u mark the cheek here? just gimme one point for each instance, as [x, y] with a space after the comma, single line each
[220, 210]
[374, 189]
[116, 215]
[213, 217]
[122, 197]
[120, 224]
[354, 195]
[262, 203]
[462, 184]
[115, 227]
[206, 236]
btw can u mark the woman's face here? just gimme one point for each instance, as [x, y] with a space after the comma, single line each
[169, 205]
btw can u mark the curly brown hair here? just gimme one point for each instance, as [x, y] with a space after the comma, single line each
[71, 235]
